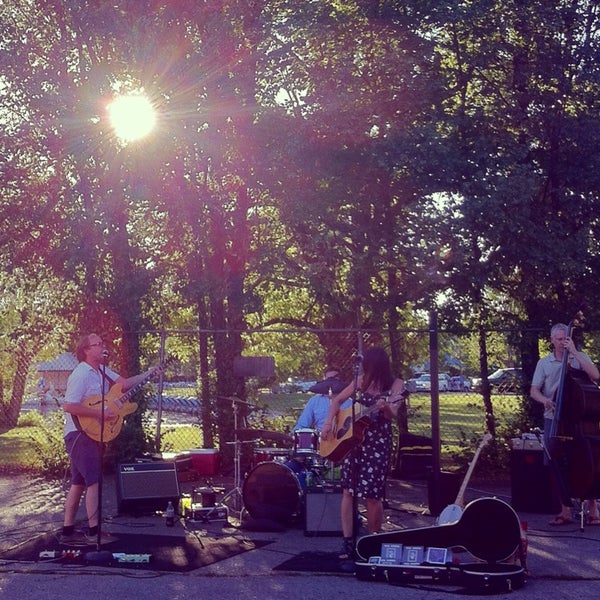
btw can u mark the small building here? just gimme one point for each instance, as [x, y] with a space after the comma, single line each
[54, 373]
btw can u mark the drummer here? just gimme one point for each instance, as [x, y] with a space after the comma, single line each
[317, 408]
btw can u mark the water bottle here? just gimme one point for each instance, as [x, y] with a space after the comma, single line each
[170, 515]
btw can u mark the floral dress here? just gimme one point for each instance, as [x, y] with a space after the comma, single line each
[371, 457]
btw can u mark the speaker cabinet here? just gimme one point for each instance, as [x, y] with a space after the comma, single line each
[531, 483]
[448, 485]
[322, 511]
[146, 487]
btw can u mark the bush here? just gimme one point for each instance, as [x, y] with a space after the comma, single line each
[48, 443]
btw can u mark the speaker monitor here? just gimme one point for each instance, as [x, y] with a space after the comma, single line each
[531, 483]
[322, 514]
[146, 487]
[445, 493]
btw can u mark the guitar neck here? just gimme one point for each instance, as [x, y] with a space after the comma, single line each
[397, 397]
[460, 497]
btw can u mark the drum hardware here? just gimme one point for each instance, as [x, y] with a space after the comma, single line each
[265, 435]
[235, 495]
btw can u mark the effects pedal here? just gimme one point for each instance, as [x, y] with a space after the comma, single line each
[197, 512]
[121, 557]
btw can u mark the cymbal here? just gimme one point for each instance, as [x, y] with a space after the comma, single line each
[236, 400]
[264, 434]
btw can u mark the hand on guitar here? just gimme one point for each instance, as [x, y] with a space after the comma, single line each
[109, 415]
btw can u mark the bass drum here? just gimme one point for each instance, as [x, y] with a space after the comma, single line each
[272, 491]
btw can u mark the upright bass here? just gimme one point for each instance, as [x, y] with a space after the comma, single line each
[575, 432]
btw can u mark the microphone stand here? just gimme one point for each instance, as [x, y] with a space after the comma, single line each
[100, 557]
[348, 565]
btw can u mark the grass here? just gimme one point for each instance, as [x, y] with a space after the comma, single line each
[462, 424]
[16, 449]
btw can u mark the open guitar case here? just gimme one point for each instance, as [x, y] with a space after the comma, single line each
[488, 529]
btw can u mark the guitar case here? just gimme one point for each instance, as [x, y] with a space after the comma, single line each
[489, 529]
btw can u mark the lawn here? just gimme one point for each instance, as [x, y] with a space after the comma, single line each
[462, 424]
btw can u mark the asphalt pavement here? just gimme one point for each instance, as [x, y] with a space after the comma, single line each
[562, 562]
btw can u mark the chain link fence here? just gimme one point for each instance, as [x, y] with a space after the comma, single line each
[184, 411]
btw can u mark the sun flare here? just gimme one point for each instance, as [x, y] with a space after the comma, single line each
[132, 117]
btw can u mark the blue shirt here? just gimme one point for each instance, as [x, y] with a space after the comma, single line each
[315, 412]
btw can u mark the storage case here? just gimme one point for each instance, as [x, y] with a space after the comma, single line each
[205, 461]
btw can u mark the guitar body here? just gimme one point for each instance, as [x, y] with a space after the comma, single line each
[117, 402]
[453, 512]
[450, 514]
[345, 434]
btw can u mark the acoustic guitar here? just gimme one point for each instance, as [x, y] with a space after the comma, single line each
[346, 432]
[452, 512]
[116, 401]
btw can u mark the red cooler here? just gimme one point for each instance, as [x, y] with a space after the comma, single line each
[205, 461]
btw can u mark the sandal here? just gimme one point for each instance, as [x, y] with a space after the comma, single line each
[560, 520]
[347, 552]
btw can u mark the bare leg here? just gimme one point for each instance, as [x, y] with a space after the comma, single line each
[346, 510]
[91, 504]
[72, 504]
[374, 514]
[593, 513]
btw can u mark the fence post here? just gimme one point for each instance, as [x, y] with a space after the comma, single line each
[435, 408]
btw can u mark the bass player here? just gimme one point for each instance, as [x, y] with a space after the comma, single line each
[544, 384]
[85, 381]
[382, 392]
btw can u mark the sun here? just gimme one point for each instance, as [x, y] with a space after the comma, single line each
[132, 117]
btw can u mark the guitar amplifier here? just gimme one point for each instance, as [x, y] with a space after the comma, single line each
[322, 514]
[147, 487]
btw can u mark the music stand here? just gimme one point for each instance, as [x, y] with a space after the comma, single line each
[99, 556]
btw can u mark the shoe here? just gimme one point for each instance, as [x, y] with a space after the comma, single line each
[105, 538]
[560, 520]
[593, 521]
[347, 552]
[77, 538]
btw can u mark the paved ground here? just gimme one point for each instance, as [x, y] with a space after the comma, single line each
[562, 561]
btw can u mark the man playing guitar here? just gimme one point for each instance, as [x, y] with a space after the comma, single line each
[85, 381]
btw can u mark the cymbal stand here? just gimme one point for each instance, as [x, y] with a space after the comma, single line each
[236, 493]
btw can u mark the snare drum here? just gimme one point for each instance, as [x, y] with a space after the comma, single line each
[269, 454]
[306, 441]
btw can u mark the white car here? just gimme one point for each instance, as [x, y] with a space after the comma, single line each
[423, 383]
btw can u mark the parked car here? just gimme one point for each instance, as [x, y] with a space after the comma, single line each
[502, 381]
[411, 384]
[423, 382]
[460, 383]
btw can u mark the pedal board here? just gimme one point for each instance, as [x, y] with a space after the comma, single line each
[197, 512]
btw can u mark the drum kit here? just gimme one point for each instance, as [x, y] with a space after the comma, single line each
[275, 486]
